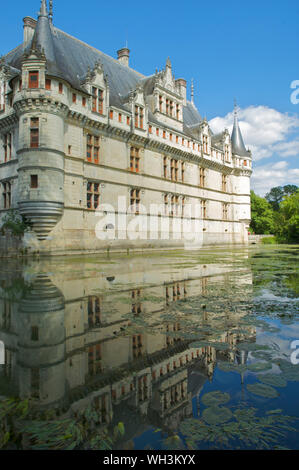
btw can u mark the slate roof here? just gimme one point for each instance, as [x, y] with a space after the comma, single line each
[238, 146]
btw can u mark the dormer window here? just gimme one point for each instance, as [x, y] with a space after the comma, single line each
[138, 117]
[160, 103]
[226, 153]
[97, 100]
[205, 143]
[33, 79]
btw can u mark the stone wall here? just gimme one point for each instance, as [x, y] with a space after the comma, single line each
[254, 239]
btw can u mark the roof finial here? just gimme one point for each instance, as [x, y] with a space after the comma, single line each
[192, 90]
[168, 63]
[235, 108]
[43, 8]
[51, 10]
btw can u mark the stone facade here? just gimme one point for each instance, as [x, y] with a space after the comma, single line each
[69, 145]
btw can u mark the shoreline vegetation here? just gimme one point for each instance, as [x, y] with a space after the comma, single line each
[276, 214]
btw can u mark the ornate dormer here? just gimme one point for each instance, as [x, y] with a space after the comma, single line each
[167, 103]
[34, 68]
[205, 136]
[222, 142]
[96, 85]
[139, 108]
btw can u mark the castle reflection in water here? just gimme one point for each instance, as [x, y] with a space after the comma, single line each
[80, 333]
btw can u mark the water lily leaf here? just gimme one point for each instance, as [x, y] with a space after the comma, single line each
[262, 390]
[217, 414]
[273, 379]
[231, 367]
[259, 366]
[215, 398]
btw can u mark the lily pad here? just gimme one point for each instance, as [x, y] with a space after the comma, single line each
[273, 379]
[231, 367]
[262, 390]
[215, 398]
[259, 366]
[217, 415]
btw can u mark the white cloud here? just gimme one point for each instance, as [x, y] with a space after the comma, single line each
[265, 131]
[268, 176]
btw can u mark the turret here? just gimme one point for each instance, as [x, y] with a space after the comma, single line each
[243, 163]
[41, 342]
[41, 133]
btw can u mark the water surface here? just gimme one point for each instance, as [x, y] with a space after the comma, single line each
[174, 350]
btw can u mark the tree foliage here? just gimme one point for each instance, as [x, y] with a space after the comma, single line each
[262, 217]
[287, 229]
[277, 213]
[277, 194]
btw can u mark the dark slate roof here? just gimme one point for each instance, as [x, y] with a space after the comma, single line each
[238, 146]
[217, 140]
[69, 58]
[191, 115]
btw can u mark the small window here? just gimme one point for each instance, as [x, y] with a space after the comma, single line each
[20, 85]
[119, 117]
[60, 88]
[34, 333]
[33, 181]
[84, 101]
[74, 98]
[33, 79]
[48, 84]
[111, 114]
[69, 149]
[150, 129]
[34, 132]
[128, 121]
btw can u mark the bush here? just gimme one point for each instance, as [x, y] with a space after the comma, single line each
[15, 222]
[269, 241]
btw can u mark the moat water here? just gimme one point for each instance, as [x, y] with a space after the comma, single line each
[173, 350]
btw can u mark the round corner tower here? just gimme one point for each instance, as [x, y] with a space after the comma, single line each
[41, 114]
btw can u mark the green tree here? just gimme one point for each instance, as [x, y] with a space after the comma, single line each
[274, 197]
[262, 217]
[277, 194]
[287, 224]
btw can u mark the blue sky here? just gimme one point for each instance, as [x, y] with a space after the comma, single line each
[233, 49]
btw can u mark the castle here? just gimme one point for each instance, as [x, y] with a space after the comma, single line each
[80, 129]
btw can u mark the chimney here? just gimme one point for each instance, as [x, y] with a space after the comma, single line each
[123, 56]
[182, 86]
[29, 28]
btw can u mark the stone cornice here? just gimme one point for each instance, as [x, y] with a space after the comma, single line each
[41, 104]
[8, 121]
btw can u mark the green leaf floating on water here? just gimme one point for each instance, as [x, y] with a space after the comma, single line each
[289, 371]
[264, 355]
[231, 367]
[273, 379]
[259, 366]
[262, 390]
[217, 414]
[215, 398]
[252, 347]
